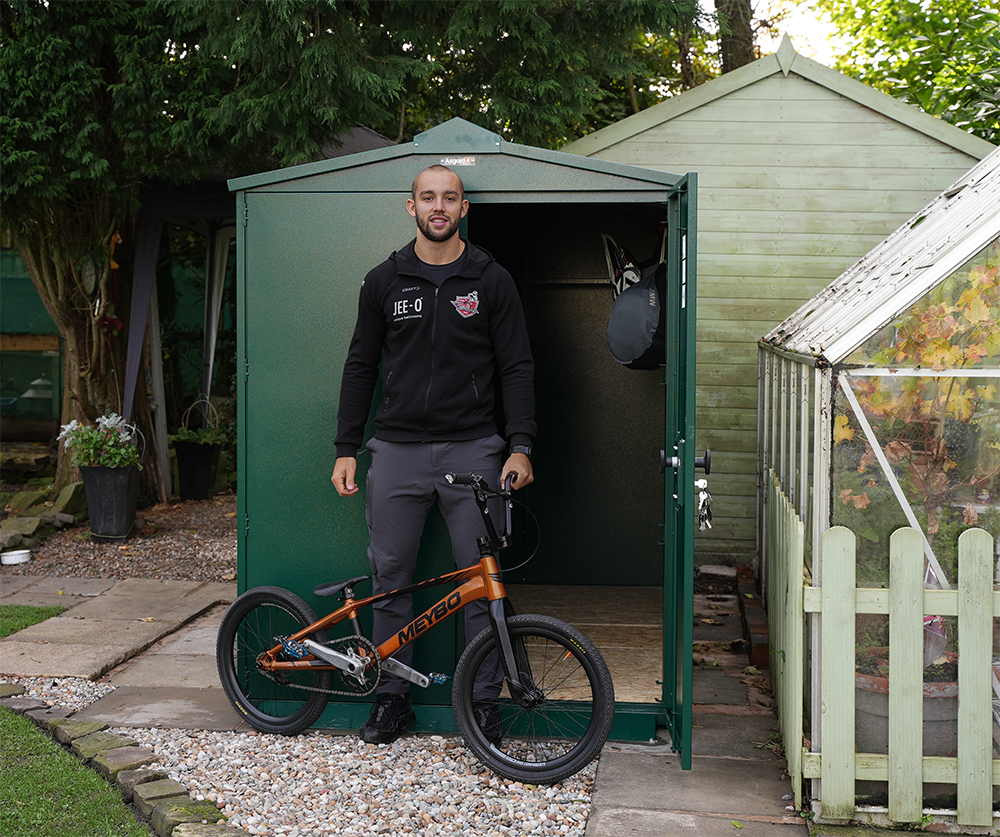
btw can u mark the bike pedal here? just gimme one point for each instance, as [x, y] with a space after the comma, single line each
[437, 678]
[293, 648]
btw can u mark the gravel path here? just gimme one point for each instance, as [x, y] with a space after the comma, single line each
[193, 541]
[312, 784]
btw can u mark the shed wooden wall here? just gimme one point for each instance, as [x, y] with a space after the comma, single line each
[796, 183]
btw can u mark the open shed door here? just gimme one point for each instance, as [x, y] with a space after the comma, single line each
[678, 462]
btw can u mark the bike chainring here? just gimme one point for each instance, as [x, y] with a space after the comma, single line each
[358, 685]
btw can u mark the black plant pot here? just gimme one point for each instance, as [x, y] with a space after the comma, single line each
[112, 499]
[196, 467]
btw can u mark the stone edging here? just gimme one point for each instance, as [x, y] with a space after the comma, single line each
[164, 802]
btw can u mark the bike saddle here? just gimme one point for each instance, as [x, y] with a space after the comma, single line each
[334, 587]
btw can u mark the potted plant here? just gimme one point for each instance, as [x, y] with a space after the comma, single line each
[198, 452]
[109, 463]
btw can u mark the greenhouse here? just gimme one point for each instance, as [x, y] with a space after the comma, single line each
[879, 457]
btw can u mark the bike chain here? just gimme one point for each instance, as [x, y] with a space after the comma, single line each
[353, 641]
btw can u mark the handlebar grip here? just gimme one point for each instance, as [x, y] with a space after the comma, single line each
[461, 479]
[507, 483]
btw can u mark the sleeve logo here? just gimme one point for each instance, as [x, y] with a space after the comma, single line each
[467, 306]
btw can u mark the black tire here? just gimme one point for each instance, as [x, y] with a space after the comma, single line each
[248, 629]
[565, 731]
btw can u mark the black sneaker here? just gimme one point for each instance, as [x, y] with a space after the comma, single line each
[488, 718]
[392, 715]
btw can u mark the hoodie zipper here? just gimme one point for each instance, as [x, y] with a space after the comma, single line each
[430, 378]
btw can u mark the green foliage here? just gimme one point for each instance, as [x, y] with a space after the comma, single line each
[14, 618]
[109, 443]
[537, 73]
[201, 436]
[104, 98]
[47, 792]
[942, 55]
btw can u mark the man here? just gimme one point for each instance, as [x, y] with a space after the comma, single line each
[446, 323]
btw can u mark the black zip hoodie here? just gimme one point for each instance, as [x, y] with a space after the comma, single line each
[441, 349]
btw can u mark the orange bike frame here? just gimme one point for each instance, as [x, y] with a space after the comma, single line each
[482, 581]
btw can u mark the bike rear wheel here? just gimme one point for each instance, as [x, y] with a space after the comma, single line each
[571, 713]
[270, 701]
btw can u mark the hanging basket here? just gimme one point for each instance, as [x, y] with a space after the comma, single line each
[112, 500]
[197, 462]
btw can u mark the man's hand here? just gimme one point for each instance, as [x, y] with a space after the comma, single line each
[519, 465]
[344, 471]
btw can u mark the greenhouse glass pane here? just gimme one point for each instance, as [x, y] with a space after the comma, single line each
[954, 326]
[927, 453]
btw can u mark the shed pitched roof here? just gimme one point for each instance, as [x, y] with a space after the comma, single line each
[924, 251]
[786, 60]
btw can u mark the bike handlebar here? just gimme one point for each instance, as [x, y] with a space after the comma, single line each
[479, 482]
[484, 492]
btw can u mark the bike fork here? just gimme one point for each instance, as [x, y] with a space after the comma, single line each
[523, 693]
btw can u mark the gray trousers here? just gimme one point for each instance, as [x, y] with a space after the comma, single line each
[405, 480]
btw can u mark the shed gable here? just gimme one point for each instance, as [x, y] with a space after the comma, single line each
[801, 172]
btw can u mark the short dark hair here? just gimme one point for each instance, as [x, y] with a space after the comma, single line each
[438, 167]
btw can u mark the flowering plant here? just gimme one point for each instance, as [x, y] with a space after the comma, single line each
[110, 442]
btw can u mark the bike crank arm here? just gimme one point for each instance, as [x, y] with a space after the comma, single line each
[407, 673]
[334, 658]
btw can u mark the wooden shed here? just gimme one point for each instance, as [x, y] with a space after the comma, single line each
[802, 170]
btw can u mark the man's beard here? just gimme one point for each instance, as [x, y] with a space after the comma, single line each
[424, 225]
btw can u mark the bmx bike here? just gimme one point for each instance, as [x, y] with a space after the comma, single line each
[556, 705]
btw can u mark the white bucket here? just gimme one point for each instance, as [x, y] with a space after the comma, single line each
[15, 556]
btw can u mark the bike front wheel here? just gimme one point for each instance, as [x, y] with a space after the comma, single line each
[571, 706]
[278, 701]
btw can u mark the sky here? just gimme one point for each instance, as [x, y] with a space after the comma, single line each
[809, 35]
[808, 32]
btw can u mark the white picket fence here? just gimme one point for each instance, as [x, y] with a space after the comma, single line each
[791, 601]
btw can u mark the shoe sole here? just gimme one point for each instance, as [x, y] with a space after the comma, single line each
[386, 736]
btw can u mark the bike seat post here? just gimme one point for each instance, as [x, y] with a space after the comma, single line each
[347, 596]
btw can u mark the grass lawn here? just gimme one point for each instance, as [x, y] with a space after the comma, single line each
[14, 618]
[46, 791]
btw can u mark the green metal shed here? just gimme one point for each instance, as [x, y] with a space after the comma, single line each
[308, 235]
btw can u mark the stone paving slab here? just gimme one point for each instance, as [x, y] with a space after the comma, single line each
[127, 780]
[32, 659]
[173, 708]
[718, 687]
[31, 599]
[113, 622]
[43, 718]
[716, 735]
[72, 728]
[631, 822]
[98, 742]
[191, 671]
[146, 796]
[196, 640]
[95, 631]
[170, 602]
[42, 591]
[73, 585]
[171, 813]
[11, 584]
[731, 786]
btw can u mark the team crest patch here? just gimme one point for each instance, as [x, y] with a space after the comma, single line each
[467, 305]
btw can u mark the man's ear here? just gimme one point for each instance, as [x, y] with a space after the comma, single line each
[411, 207]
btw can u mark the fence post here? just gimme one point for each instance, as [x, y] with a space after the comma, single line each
[837, 670]
[906, 666]
[975, 680]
